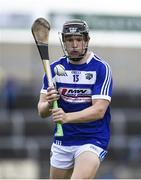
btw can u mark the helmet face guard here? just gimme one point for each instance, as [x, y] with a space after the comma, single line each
[76, 28]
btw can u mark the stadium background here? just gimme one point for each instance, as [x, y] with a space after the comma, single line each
[25, 138]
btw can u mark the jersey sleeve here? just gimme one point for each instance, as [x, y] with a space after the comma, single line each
[45, 80]
[45, 85]
[102, 89]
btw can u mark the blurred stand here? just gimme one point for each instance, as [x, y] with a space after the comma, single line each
[10, 93]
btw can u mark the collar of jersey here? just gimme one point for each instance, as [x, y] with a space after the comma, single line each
[88, 60]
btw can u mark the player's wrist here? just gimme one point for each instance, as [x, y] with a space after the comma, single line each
[68, 118]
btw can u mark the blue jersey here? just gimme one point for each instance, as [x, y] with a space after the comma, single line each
[78, 87]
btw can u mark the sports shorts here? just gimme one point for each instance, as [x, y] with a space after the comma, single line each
[63, 156]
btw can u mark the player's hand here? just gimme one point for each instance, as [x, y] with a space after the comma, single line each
[52, 95]
[59, 115]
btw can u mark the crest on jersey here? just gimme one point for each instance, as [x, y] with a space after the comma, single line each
[89, 76]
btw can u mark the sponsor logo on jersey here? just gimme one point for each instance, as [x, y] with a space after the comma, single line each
[77, 95]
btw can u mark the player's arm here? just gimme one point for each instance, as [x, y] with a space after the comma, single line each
[43, 106]
[92, 113]
[46, 102]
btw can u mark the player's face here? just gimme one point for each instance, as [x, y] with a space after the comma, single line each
[75, 45]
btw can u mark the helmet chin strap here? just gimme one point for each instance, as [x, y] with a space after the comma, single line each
[80, 57]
